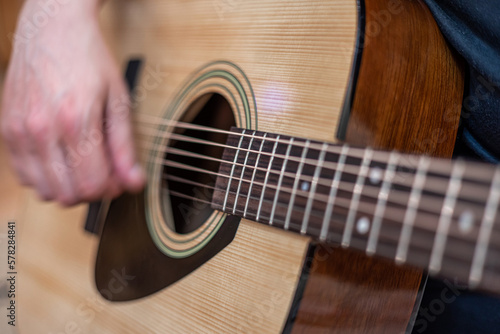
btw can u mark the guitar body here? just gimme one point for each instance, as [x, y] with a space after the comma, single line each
[295, 68]
[8, 14]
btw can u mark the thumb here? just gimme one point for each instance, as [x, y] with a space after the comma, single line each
[120, 139]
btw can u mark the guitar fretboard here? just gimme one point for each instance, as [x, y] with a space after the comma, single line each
[431, 213]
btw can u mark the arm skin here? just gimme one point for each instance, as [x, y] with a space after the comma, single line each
[65, 113]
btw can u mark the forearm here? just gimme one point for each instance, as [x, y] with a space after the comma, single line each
[45, 21]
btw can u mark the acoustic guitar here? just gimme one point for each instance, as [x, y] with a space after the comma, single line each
[271, 205]
[9, 10]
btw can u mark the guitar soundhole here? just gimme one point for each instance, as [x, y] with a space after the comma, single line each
[189, 190]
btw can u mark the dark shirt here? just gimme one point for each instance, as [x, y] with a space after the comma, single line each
[472, 27]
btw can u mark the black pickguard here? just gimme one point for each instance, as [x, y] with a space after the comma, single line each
[126, 250]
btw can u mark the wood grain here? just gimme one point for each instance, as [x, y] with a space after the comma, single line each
[261, 179]
[9, 10]
[410, 84]
[412, 108]
[346, 291]
[12, 201]
[297, 57]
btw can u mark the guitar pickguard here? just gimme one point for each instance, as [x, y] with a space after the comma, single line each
[130, 266]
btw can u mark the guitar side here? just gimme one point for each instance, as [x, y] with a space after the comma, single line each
[379, 121]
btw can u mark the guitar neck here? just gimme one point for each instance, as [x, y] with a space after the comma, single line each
[431, 213]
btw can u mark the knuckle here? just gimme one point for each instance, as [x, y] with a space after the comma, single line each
[69, 122]
[119, 109]
[38, 127]
[13, 130]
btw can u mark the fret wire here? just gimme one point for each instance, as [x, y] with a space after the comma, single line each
[382, 202]
[420, 251]
[296, 183]
[353, 170]
[445, 218]
[232, 172]
[358, 187]
[191, 168]
[267, 177]
[324, 198]
[197, 127]
[253, 174]
[242, 173]
[332, 148]
[487, 223]
[314, 231]
[280, 180]
[411, 210]
[317, 214]
[312, 189]
[333, 193]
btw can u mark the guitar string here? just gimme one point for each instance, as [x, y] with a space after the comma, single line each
[324, 198]
[235, 134]
[332, 148]
[341, 202]
[299, 192]
[385, 237]
[473, 193]
[336, 148]
[318, 213]
[421, 208]
[417, 227]
[394, 200]
[314, 231]
[355, 152]
[282, 141]
[469, 196]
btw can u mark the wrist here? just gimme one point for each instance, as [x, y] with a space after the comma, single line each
[43, 22]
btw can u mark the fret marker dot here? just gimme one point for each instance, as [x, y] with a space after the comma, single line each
[375, 175]
[305, 186]
[466, 221]
[363, 225]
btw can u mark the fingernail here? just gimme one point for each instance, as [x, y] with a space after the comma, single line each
[136, 176]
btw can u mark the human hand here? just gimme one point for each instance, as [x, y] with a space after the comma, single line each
[65, 111]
